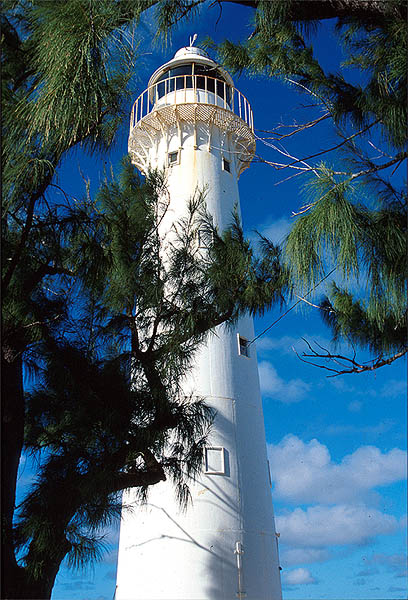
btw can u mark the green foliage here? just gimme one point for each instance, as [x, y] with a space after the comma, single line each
[92, 448]
[139, 302]
[65, 84]
[105, 305]
[279, 48]
[355, 218]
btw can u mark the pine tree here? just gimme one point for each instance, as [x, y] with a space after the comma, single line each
[66, 272]
[109, 413]
[57, 92]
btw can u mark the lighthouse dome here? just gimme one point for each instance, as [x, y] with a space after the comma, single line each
[190, 60]
[187, 51]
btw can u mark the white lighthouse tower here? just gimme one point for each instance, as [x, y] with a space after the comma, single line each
[192, 122]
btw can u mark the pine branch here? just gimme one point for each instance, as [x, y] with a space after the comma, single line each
[25, 232]
[396, 160]
[345, 141]
[355, 367]
[312, 10]
[299, 128]
[140, 478]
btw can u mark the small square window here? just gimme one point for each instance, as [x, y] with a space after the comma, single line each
[173, 158]
[243, 346]
[214, 460]
[226, 165]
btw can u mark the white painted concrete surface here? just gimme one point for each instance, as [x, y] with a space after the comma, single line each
[224, 546]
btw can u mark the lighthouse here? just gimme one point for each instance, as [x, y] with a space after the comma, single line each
[193, 123]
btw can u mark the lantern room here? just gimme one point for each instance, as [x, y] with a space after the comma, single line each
[190, 93]
[191, 76]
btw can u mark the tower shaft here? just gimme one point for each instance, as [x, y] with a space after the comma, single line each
[224, 545]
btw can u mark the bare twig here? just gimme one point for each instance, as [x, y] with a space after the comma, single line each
[281, 136]
[350, 364]
[397, 159]
[314, 305]
[304, 209]
[40, 322]
[309, 91]
[350, 137]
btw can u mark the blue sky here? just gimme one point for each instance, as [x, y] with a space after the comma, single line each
[336, 445]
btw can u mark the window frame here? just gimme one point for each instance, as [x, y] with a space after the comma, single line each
[206, 470]
[245, 345]
[170, 163]
[226, 162]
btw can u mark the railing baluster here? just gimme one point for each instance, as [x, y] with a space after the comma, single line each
[228, 98]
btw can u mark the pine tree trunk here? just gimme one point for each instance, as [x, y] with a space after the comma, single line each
[17, 585]
[12, 435]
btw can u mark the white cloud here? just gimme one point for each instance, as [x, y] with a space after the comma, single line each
[305, 473]
[350, 429]
[286, 343]
[299, 577]
[275, 231]
[368, 572]
[395, 563]
[321, 526]
[283, 344]
[273, 386]
[298, 556]
[355, 406]
[394, 387]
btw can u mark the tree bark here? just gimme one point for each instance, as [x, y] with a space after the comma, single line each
[12, 434]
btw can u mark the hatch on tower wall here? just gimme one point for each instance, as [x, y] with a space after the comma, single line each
[214, 460]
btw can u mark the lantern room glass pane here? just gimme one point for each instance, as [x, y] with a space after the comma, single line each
[180, 78]
[212, 85]
[167, 84]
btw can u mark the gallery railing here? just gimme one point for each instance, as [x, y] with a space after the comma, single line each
[186, 89]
